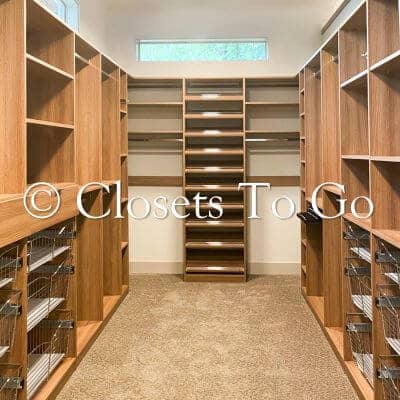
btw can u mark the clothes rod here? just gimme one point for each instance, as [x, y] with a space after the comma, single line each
[83, 59]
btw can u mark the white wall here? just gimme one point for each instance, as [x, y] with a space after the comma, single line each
[94, 23]
[274, 245]
[291, 26]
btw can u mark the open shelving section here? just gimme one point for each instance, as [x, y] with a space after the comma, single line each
[216, 124]
[63, 121]
[349, 92]
[214, 165]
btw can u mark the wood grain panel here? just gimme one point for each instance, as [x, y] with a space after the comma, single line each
[90, 260]
[330, 116]
[177, 181]
[88, 123]
[12, 89]
[112, 271]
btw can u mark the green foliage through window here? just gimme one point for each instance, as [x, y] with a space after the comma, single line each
[212, 50]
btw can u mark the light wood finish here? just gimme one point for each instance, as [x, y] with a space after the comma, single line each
[330, 110]
[383, 28]
[90, 244]
[88, 111]
[112, 272]
[12, 89]
[332, 262]
[58, 112]
[364, 125]
[313, 126]
[353, 45]
[111, 142]
[48, 39]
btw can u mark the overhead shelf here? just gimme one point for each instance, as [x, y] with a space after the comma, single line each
[38, 67]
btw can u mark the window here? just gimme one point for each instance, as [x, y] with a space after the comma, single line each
[67, 10]
[202, 50]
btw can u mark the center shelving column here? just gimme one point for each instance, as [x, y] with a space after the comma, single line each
[214, 165]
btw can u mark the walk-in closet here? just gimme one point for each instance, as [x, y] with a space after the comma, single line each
[199, 200]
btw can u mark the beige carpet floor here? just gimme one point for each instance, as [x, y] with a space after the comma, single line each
[172, 340]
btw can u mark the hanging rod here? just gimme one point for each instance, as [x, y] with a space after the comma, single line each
[83, 59]
[317, 74]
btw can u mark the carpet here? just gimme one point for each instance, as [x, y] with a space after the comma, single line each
[172, 340]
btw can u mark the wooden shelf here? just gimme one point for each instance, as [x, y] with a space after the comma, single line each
[61, 124]
[212, 188]
[362, 223]
[213, 116]
[359, 80]
[36, 122]
[273, 103]
[365, 157]
[390, 236]
[156, 104]
[211, 152]
[223, 244]
[212, 134]
[214, 224]
[214, 170]
[40, 67]
[225, 206]
[216, 97]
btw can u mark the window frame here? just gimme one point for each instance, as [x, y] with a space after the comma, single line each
[139, 42]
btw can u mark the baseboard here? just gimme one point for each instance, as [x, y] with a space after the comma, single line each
[274, 268]
[177, 268]
[172, 268]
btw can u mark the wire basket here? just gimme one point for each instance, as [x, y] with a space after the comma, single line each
[388, 259]
[359, 246]
[10, 309]
[45, 246]
[48, 344]
[359, 333]
[389, 304]
[389, 374]
[360, 287]
[10, 261]
[48, 288]
[10, 381]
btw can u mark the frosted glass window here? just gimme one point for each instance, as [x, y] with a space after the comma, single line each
[67, 10]
[205, 50]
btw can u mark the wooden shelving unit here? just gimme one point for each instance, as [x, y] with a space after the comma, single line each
[351, 291]
[214, 165]
[64, 122]
[215, 123]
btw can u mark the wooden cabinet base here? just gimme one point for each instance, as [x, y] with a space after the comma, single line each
[87, 333]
